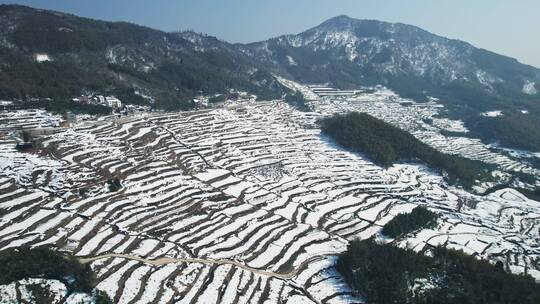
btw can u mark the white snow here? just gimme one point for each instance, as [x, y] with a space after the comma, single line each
[42, 57]
[291, 61]
[529, 87]
[492, 113]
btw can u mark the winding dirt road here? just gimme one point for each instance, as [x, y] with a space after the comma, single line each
[164, 261]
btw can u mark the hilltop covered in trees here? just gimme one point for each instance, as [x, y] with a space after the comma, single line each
[404, 223]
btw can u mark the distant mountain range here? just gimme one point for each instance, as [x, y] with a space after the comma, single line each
[51, 54]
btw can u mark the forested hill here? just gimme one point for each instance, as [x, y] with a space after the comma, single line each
[57, 55]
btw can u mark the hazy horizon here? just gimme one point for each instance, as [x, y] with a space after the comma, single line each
[510, 29]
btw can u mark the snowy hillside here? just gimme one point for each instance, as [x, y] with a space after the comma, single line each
[245, 202]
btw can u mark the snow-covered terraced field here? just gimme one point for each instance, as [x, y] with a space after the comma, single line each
[243, 204]
[28, 119]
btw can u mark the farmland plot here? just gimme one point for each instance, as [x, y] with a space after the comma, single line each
[242, 204]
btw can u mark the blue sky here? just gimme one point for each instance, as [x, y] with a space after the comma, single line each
[509, 27]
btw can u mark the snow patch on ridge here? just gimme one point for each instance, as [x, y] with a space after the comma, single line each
[529, 88]
[291, 61]
[42, 58]
[492, 113]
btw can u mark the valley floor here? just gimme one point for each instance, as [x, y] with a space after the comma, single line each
[243, 204]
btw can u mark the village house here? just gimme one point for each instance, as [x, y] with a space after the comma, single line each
[113, 102]
[109, 101]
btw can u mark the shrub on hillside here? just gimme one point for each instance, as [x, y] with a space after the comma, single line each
[405, 223]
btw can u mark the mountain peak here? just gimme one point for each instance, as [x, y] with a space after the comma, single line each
[339, 21]
[340, 18]
[343, 23]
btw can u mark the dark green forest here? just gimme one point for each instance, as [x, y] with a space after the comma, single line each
[20, 263]
[386, 145]
[401, 224]
[24, 263]
[384, 274]
[531, 194]
[513, 129]
[62, 106]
